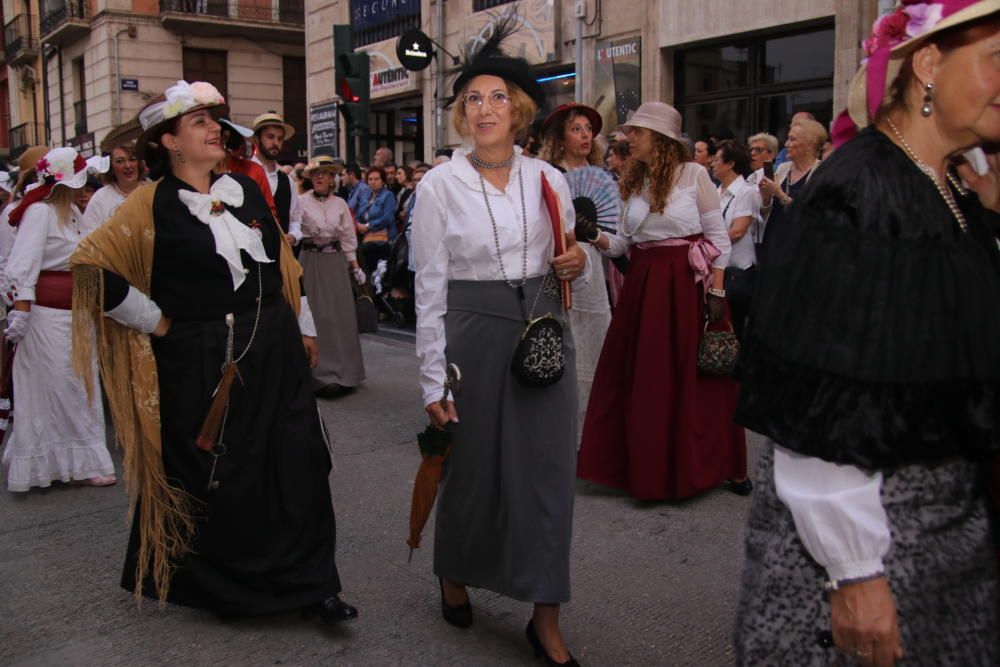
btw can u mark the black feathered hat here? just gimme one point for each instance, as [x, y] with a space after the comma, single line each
[486, 57]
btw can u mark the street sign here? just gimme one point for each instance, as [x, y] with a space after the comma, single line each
[324, 128]
[130, 84]
[414, 50]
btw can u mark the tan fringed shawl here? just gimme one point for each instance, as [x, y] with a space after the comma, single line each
[124, 246]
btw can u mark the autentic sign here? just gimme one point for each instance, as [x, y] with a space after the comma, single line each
[386, 80]
[388, 76]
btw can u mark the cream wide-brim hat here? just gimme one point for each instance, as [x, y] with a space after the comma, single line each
[656, 116]
[857, 96]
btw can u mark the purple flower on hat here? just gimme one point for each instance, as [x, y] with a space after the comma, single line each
[923, 17]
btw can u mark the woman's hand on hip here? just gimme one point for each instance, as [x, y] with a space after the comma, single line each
[570, 265]
[442, 416]
[312, 350]
[162, 327]
[864, 623]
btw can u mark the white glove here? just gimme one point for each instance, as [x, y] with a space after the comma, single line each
[306, 324]
[359, 275]
[17, 325]
[137, 311]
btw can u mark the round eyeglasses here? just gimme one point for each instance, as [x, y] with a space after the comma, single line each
[497, 100]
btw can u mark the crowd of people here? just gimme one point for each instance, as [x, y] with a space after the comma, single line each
[593, 286]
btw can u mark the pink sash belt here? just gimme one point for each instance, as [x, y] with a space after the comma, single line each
[701, 253]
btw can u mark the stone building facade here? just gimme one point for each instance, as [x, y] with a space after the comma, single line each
[745, 66]
[98, 62]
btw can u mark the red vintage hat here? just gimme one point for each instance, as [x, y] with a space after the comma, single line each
[596, 122]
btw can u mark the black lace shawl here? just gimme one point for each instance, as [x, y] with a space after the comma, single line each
[874, 336]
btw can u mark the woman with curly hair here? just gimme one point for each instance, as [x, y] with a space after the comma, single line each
[569, 143]
[656, 426]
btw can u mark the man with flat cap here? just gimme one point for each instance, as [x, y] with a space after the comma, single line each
[270, 132]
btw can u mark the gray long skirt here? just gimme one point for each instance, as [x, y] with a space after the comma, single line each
[331, 301]
[505, 504]
[941, 567]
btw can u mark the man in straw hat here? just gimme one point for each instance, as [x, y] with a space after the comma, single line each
[270, 132]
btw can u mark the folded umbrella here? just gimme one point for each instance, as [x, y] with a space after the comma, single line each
[435, 447]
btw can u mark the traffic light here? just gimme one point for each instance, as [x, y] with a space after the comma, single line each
[353, 73]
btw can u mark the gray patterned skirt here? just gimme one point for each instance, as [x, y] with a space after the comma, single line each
[941, 567]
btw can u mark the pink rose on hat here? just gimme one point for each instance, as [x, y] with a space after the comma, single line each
[205, 93]
[888, 31]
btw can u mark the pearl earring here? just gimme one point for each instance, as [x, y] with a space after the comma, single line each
[926, 109]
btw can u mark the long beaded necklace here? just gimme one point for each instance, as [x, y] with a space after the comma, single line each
[623, 223]
[496, 234]
[941, 187]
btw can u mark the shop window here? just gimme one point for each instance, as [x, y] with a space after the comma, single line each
[702, 121]
[748, 85]
[798, 57]
[559, 87]
[713, 69]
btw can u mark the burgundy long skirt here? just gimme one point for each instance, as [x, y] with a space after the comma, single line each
[656, 426]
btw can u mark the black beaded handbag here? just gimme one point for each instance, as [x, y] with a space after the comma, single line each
[539, 359]
[718, 350]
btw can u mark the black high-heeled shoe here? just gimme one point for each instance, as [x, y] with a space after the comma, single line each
[742, 488]
[540, 651]
[332, 610]
[459, 616]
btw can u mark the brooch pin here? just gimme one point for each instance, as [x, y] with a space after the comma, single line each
[255, 226]
[218, 208]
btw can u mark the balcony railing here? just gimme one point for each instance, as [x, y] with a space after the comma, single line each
[24, 136]
[270, 20]
[20, 41]
[69, 21]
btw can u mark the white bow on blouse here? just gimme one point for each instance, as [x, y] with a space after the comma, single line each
[230, 234]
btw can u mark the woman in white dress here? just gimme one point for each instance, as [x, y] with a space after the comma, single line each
[569, 134]
[125, 176]
[58, 434]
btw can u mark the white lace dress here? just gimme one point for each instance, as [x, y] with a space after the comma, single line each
[57, 433]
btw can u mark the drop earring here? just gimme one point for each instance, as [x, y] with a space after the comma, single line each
[926, 109]
[179, 156]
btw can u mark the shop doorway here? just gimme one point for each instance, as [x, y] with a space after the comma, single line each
[400, 126]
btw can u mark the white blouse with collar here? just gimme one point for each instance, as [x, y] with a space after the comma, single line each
[692, 208]
[452, 239]
[42, 244]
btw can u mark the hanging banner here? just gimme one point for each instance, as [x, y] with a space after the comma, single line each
[367, 14]
[618, 80]
[535, 40]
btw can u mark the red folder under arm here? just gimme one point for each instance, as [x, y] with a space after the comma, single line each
[554, 207]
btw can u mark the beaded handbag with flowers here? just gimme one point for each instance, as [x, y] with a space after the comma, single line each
[718, 350]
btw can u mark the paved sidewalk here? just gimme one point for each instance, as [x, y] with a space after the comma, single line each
[654, 583]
